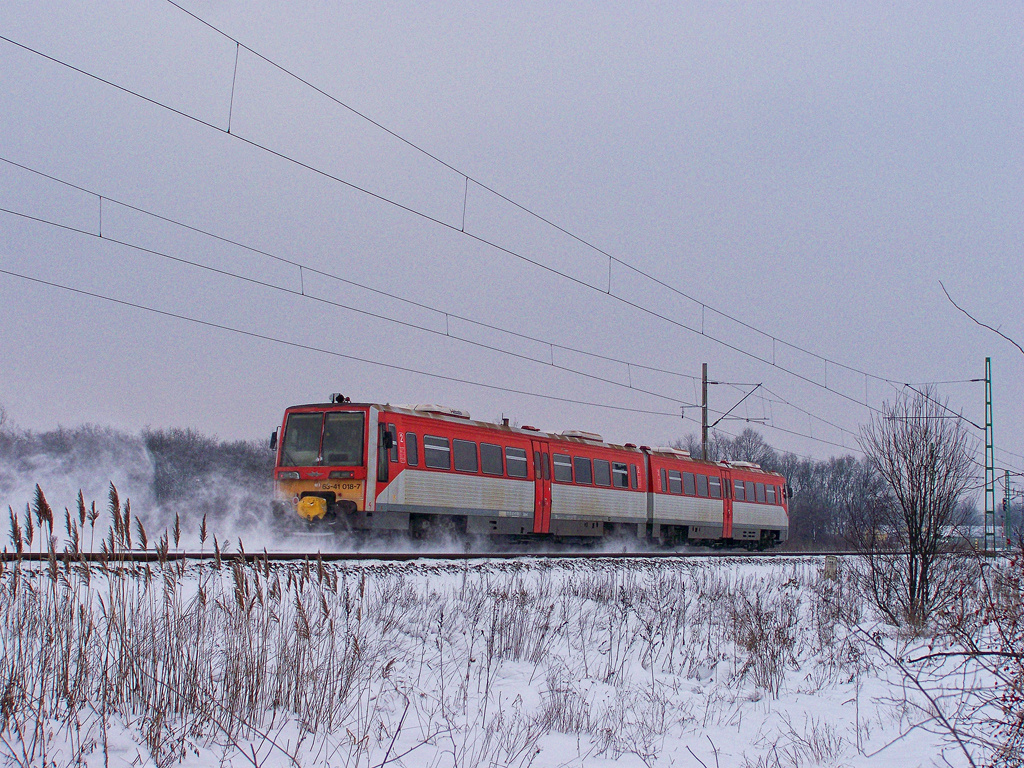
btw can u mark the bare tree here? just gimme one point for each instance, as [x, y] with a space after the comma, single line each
[748, 445]
[921, 451]
[718, 445]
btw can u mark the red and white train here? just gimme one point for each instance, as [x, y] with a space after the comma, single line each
[423, 468]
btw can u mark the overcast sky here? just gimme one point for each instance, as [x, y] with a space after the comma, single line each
[812, 170]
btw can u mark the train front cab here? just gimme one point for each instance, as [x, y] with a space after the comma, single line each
[322, 458]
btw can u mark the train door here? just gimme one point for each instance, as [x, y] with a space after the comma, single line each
[372, 449]
[727, 499]
[542, 487]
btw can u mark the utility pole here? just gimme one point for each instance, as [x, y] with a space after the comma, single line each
[704, 426]
[704, 412]
[990, 470]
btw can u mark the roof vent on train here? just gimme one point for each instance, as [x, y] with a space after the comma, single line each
[675, 451]
[442, 410]
[746, 464]
[577, 433]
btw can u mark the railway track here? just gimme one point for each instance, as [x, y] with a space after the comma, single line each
[154, 557]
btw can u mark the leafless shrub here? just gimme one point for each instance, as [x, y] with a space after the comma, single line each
[818, 742]
[565, 708]
[923, 454]
[979, 634]
[768, 634]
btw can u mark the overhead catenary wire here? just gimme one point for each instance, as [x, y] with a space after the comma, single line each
[704, 307]
[525, 209]
[411, 325]
[340, 278]
[370, 361]
[325, 351]
[447, 314]
[702, 331]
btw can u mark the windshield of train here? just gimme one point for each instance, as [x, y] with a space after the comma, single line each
[343, 440]
[301, 446]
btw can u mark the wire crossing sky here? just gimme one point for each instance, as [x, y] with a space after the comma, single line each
[811, 174]
[447, 316]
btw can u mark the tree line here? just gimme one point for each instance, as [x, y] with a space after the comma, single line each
[831, 500]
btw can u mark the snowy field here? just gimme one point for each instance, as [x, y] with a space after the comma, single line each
[654, 662]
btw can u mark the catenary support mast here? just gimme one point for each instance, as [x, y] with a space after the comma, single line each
[704, 412]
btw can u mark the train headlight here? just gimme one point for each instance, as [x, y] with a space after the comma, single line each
[287, 475]
[336, 475]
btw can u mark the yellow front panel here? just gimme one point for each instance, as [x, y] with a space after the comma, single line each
[292, 490]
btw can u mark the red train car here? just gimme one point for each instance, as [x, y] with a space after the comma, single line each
[711, 501]
[424, 468]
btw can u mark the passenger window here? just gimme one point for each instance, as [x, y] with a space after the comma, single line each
[702, 485]
[760, 492]
[602, 472]
[675, 482]
[412, 453]
[490, 459]
[634, 476]
[738, 487]
[664, 482]
[689, 484]
[715, 487]
[584, 472]
[770, 492]
[536, 465]
[620, 475]
[515, 462]
[465, 455]
[563, 468]
[750, 490]
[547, 466]
[436, 453]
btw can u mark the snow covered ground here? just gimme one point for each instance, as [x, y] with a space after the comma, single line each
[654, 662]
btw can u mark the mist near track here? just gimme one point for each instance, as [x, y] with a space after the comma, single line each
[167, 475]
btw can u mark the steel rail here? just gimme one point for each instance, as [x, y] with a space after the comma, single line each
[149, 556]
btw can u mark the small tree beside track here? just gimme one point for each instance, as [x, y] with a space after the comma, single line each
[921, 449]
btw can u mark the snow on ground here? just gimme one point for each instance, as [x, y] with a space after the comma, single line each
[653, 662]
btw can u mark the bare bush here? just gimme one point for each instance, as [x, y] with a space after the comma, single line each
[768, 634]
[922, 452]
[981, 632]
